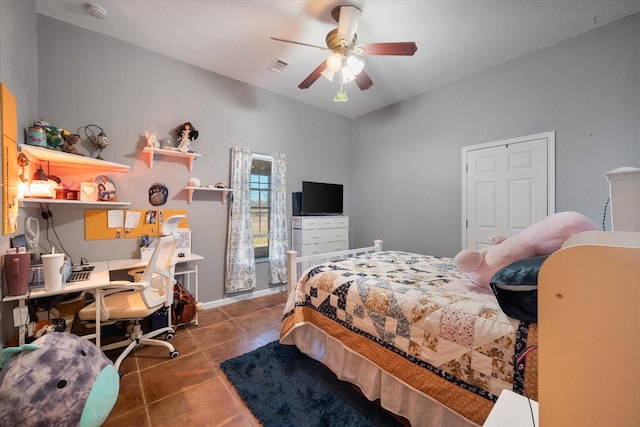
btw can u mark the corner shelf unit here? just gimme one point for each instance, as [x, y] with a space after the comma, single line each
[68, 160]
[150, 152]
[224, 191]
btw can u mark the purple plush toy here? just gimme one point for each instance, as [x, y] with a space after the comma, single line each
[59, 379]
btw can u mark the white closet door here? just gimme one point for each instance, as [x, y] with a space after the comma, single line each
[507, 185]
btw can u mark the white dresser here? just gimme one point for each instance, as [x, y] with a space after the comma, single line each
[311, 235]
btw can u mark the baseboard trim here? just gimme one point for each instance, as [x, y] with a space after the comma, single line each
[243, 297]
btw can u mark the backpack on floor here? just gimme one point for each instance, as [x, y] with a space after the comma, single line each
[184, 305]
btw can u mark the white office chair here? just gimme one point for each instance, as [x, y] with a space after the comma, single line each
[133, 301]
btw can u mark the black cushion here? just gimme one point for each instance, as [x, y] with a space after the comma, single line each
[516, 288]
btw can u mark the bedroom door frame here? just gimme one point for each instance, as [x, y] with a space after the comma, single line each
[550, 164]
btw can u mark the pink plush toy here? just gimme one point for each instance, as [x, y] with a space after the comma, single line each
[541, 238]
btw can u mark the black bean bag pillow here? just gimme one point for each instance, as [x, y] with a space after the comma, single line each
[516, 288]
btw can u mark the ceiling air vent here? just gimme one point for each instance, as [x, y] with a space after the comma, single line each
[277, 65]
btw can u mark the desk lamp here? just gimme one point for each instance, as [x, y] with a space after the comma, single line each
[41, 186]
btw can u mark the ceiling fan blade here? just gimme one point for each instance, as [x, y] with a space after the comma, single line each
[348, 22]
[363, 80]
[315, 75]
[393, 48]
[300, 43]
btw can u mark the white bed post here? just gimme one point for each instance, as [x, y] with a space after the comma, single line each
[291, 270]
[378, 245]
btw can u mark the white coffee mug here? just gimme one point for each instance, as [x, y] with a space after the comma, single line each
[52, 265]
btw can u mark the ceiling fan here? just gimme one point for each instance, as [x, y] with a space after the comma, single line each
[341, 42]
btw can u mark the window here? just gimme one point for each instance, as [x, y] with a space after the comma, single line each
[261, 204]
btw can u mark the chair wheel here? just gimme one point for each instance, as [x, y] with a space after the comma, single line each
[169, 336]
[174, 354]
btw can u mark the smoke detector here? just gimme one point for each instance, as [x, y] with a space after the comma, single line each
[96, 11]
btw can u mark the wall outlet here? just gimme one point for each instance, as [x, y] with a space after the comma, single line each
[20, 316]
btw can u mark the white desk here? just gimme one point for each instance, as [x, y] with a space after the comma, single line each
[98, 280]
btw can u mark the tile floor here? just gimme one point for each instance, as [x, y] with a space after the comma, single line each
[192, 390]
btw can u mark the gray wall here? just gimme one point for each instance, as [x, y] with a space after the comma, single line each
[407, 157]
[18, 71]
[85, 77]
[18, 56]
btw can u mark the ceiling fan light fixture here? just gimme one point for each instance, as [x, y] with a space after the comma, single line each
[347, 75]
[334, 62]
[355, 65]
[327, 74]
[342, 44]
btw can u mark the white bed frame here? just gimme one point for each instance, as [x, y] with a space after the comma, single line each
[589, 346]
[304, 262]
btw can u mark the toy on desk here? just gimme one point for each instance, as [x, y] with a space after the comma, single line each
[59, 379]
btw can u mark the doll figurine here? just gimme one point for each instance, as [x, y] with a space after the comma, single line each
[152, 139]
[186, 133]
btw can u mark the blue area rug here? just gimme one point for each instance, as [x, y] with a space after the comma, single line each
[283, 387]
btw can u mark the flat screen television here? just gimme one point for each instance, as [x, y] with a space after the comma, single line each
[320, 198]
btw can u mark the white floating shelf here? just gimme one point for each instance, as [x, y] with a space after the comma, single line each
[173, 153]
[60, 158]
[34, 202]
[224, 191]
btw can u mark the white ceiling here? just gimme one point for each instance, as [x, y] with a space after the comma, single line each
[455, 38]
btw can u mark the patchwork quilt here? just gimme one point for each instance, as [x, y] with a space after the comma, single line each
[418, 318]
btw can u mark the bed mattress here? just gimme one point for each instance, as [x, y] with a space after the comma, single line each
[418, 320]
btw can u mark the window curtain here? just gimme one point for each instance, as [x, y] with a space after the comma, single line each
[241, 266]
[278, 221]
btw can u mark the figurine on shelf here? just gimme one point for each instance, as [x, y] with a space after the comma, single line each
[186, 133]
[54, 138]
[152, 139]
[70, 141]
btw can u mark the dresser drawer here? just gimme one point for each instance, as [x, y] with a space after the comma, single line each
[320, 236]
[322, 248]
[318, 222]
